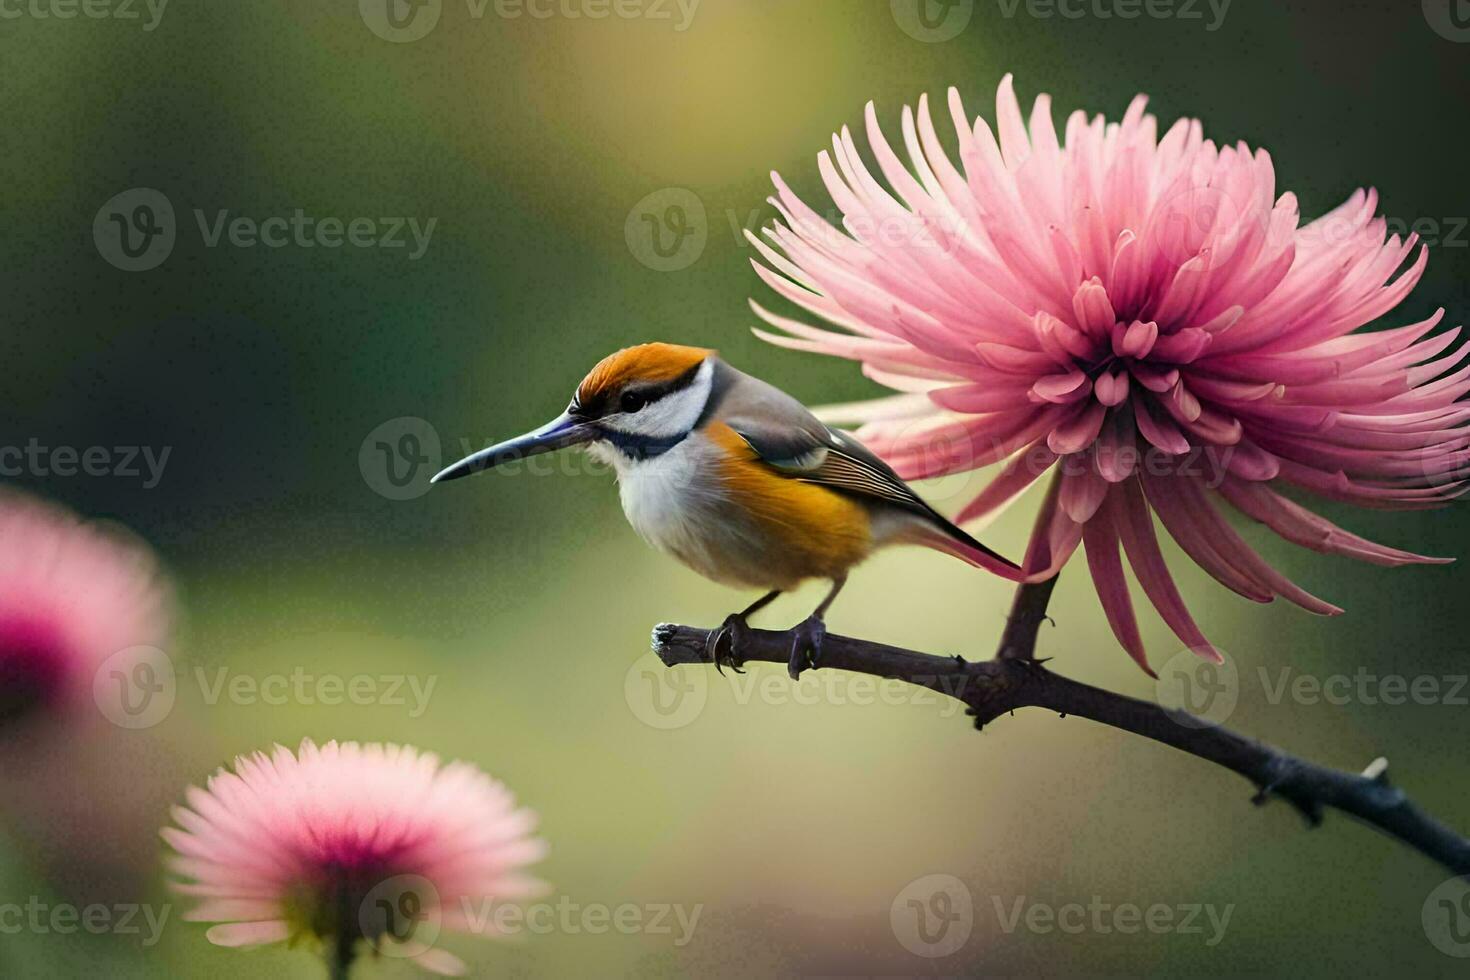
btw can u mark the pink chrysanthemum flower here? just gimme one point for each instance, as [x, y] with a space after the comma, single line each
[1142, 316]
[73, 597]
[351, 842]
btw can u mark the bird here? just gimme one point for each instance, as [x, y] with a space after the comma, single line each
[738, 481]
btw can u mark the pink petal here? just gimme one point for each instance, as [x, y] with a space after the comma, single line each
[1158, 429]
[1186, 531]
[1184, 497]
[441, 962]
[249, 933]
[1111, 389]
[1093, 310]
[1053, 540]
[1078, 432]
[1063, 388]
[1083, 489]
[1016, 476]
[1136, 530]
[1101, 539]
[1300, 526]
[1183, 347]
[1136, 339]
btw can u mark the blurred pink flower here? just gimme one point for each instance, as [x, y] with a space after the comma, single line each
[73, 596]
[347, 842]
[1141, 315]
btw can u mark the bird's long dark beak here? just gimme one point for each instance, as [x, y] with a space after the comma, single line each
[560, 432]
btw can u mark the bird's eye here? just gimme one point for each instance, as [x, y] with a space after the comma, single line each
[632, 401]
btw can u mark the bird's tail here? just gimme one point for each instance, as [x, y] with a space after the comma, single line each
[953, 540]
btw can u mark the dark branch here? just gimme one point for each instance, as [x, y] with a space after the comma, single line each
[996, 687]
[1028, 612]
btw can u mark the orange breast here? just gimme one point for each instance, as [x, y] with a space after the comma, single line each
[810, 531]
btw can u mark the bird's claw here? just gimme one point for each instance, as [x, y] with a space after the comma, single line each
[729, 636]
[806, 646]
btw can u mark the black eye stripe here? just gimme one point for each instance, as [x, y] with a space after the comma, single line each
[607, 403]
[652, 393]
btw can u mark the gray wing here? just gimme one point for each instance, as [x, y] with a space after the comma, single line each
[833, 459]
[792, 440]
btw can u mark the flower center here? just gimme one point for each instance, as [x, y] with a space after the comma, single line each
[362, 888]
[32, 664]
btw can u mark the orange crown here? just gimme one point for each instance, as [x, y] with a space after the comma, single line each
[647, 363]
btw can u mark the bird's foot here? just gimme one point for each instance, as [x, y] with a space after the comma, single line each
[806, 646]
[730, 637]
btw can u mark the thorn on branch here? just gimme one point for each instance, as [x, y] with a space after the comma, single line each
[1280, 770]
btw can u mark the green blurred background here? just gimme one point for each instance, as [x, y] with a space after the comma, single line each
[267, 372]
